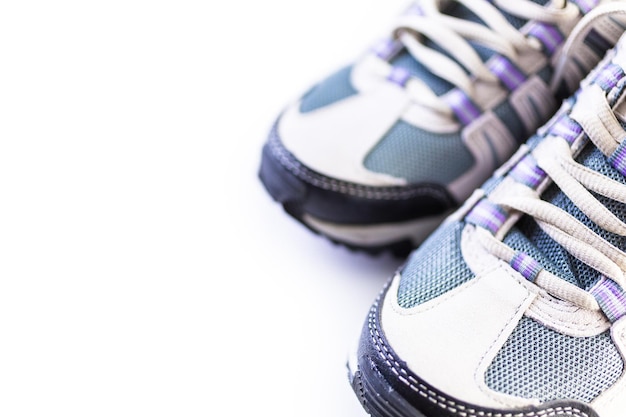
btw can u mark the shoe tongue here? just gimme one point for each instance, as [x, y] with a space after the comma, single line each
[528, 237]
[439, 86]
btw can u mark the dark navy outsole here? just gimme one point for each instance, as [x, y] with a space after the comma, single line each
[302, 191]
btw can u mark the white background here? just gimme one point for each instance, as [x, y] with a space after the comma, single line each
[144, 271]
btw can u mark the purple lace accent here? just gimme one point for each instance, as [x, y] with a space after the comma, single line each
[585, 6]
[609, 77]
[567, 129]
[487, 215]
[611, 298]
[618, 159]
[527, 172]
[508, 73]
[548, 35]
[386, 48]
[465, 110]
[525, 265]
[399, 76]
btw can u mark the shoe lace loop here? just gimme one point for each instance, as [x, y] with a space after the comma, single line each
[460, 65]
[555, 157]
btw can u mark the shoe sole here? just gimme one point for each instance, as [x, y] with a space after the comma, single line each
[300, 198]
[382, 383]
[368, 389]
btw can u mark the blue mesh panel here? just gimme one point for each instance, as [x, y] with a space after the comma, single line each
[519, 242]
[537, 362]
[435, 268]
[420, 156]
[334, 88]
[483, 52]
[568, 267]
[416, 69]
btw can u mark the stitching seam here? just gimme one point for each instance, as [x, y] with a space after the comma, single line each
[441, 401]
[293, 166]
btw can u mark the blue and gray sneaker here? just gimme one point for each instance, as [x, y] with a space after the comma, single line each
[377, 155]
[516, 304]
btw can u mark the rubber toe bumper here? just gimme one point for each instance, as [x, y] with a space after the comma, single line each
[387, 388]
[307, 194]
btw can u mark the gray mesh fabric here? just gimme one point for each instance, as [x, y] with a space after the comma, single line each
[517, 241]
[520, 242]
[434, 269]
[537, 362]
[420, 156]
[568, 267]
[416, 69]
[331, 90]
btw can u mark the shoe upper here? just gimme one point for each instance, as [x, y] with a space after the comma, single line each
[518, 300]
[448, 99]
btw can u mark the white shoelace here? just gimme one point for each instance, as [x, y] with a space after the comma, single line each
[453, 35]
[555, 157]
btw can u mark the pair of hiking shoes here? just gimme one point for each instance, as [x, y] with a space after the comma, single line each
[485, 141]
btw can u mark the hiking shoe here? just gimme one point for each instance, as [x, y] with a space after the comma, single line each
[516, 304]
[377, 154]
